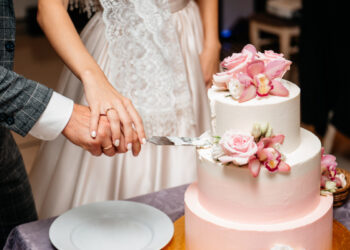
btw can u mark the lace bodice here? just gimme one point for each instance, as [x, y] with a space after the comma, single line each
[88, 6]
[146, 63]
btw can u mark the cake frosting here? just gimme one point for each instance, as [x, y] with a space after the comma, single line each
[261, 189]
[203, 230]
[233, 193]
[283, 114]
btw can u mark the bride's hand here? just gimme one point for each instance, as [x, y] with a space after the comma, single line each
[210, 59]
[103, 99]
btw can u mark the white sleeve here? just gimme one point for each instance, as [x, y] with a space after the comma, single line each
[54, 119]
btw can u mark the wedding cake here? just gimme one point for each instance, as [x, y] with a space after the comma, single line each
[259, 182]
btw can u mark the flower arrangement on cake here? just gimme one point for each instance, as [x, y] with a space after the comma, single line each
[330, 179]
[334, 181]
[259, 149]
[250, 73]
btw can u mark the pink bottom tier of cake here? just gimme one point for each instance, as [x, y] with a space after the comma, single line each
[204, 230]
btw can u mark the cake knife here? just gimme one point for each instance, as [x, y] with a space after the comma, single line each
[202, 141]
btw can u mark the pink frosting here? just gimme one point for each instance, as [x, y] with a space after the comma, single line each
[203, 230]
[244, 198]
[234, 194]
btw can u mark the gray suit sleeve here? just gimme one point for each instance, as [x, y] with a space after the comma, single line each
[22, 101]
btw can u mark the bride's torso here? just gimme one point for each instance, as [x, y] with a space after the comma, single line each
[146, 63]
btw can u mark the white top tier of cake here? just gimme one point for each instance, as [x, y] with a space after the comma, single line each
[282, 113]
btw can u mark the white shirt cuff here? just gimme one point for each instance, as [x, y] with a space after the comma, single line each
[54, 119]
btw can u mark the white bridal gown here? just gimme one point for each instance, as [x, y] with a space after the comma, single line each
[66, 176]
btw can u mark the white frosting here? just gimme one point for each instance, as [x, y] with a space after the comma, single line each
[232, 193]
[282, 113]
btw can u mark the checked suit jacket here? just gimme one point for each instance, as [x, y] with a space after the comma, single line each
[22, 102]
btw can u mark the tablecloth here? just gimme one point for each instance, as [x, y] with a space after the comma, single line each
[35, 235]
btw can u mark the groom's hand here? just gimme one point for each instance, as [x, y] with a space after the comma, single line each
[77, 131]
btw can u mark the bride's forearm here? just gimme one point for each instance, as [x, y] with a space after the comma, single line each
[55, 22]
[209, 15]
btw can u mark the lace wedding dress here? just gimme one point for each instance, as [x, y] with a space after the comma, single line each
[149, 50]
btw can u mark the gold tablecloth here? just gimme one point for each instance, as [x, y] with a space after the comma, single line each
[341, 236]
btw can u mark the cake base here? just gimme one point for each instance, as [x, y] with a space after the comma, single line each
[206, 231]
[341, 236]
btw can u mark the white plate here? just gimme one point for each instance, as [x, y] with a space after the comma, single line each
[112, 225]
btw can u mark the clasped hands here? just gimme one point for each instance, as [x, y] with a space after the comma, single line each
[78, 132]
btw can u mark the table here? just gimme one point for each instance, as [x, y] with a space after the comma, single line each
[35, 235]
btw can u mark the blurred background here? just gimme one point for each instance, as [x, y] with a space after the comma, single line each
[268, 24]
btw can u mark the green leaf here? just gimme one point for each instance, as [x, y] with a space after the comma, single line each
[216, 139]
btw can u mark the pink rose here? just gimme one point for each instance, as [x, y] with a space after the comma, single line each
[274, 60]
[221, 80]
[238, 62]
[238, 147]
[231, 62]
[269, 56]
[233, 65]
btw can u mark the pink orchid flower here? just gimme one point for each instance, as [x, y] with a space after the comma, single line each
[268, 156]
[273, 159]
[254, 166]
[263, 80]
[328, 165]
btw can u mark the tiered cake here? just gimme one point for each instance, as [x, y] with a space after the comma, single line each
[229, 208]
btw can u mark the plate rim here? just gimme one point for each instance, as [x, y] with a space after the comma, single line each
[57, 244]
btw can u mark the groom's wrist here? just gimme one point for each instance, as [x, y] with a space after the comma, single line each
[54, 119]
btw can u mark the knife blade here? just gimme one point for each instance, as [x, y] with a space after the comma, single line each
[180, 141]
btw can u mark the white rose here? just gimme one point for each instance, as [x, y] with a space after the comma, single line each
[235, 88]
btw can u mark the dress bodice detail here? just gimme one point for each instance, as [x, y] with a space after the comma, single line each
[147, 64]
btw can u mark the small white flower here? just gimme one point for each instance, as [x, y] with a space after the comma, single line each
[235, 88]
[264, 127]
[268, 132]
[331, 186]
[342, 179]
[256, 131]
